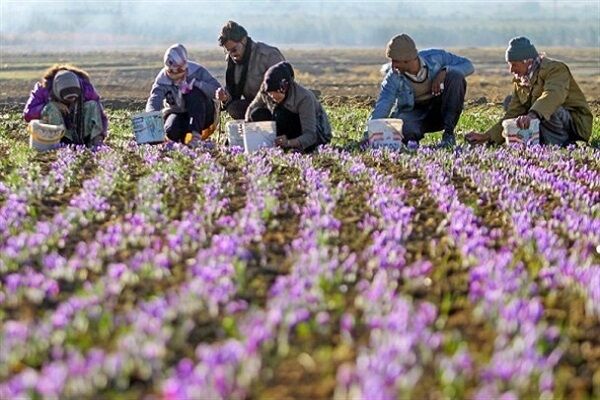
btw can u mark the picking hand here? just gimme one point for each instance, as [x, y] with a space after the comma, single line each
[282, 141]
[477, 138]
[222, 95]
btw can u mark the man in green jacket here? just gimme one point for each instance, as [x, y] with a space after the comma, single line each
[543, 88]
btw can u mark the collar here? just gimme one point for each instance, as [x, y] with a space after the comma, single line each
[421, 75]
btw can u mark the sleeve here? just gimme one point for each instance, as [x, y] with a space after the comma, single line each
[307, 110]
[387, 97]
[515, 109]
[456, 63]
[157, 95]
[274, 57]
[556, 89]
[38, 98]
[207, 83]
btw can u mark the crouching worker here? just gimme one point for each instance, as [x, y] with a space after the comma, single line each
[183, 91]
[65, 96]
[543, 89]
[426, 89]
[300, 119]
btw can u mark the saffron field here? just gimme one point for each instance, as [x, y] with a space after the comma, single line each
[176, 273]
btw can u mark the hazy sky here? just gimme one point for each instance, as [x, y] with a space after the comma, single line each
[114, 23]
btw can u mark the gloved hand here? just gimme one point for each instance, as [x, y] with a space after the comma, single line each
[187, 87]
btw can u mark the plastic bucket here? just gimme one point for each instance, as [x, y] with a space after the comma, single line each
[258, 135]
[512, 133]
[234, 132]
[385, 132]
[44, 137]
[148, 127]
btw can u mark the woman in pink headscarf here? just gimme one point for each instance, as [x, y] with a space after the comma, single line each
[183, 91]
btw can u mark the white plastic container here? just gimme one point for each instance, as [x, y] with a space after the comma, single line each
[258, 135]
[512, 133]
[148, 127]
[234, 132]
[385, 132]
[44, 137]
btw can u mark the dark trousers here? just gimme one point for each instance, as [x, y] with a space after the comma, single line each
[440, 113]
[237, 108]
[200, 115]
[287, 123]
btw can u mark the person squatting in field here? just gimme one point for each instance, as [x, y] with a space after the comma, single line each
[426, 89]
[183, 90]
[66, 96]
[300, 120]
[543, 88]
[247, 62]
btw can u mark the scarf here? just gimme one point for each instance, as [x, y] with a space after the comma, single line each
[525, 80]
[65, 84]
[237, 90]
[421, 75]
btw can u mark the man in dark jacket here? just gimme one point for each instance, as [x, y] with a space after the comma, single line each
[247, 62]
[301, 121]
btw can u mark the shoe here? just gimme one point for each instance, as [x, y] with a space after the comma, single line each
[196, 141]
[448, 141]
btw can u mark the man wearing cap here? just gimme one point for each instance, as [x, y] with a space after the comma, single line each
[543, 89]
[426, 89]
[183, 90]
[65, 96]
[300, 119]
[247, 62]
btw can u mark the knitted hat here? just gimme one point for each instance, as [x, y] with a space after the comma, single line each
[278, 76]
[519, 49]
[401, 48]
[65, 85]
[175, 56]
[232, 31]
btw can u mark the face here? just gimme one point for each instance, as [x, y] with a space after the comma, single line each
[277, 96]
[518, 68]
[410, 66]
[235, 49]
[176, 73]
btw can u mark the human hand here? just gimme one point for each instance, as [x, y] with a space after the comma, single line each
[282, 141]
[222, 95]
[523, 121]
[64, 109]
[477, 138]
[437, 86]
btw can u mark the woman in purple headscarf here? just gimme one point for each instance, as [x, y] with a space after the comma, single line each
[65, 96]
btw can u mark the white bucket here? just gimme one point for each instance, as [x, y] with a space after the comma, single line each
[234, 132]
[512, 133]
[148, 127]
[258, 135]
[44, 137]
[385, 132]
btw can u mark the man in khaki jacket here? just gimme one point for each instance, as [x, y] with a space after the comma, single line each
[247, 62]
[544, 89]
